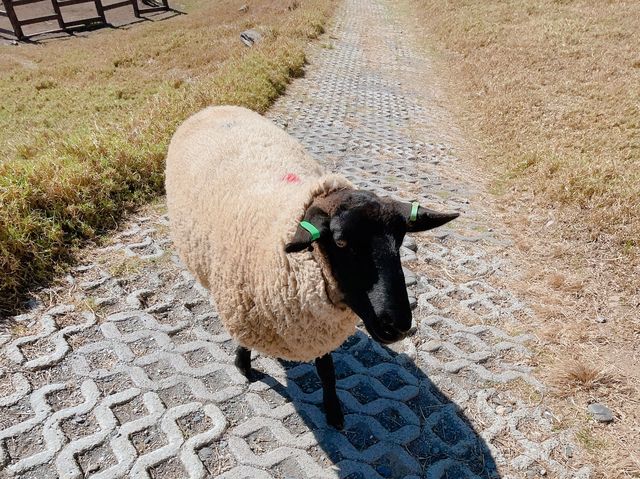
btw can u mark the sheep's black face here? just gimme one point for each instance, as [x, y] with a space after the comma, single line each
[361, 235]
[364, 253]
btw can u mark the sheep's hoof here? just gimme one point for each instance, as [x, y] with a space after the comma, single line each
[243, 363]
[336, 420]
[248, 373]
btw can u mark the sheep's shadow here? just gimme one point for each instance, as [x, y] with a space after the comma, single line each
[398, 424]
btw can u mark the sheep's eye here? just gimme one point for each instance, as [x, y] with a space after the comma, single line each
[341, 243]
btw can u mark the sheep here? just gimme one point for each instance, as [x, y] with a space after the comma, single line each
[291, 256]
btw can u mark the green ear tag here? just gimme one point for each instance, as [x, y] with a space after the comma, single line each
[414, 211]
[313, 231]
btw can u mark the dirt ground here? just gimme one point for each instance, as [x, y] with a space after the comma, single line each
[120, 17]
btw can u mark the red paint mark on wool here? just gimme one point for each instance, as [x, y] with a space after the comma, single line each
[291, 178]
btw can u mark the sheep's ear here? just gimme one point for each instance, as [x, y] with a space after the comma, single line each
[422, 219]
[314, 218]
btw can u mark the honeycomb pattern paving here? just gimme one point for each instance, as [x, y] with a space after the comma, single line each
[130, 373]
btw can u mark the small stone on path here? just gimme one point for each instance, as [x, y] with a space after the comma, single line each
[600, 412]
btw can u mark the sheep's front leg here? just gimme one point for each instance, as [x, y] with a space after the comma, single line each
[243, 362]
[332, 407]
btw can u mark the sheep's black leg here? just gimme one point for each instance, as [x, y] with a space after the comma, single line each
[332, 407]
[243, 362]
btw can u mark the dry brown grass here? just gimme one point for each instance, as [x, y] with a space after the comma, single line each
[548, 92]
[54, 89]
[552, 90]
[589, 336]
[570, 376]
[84, 123]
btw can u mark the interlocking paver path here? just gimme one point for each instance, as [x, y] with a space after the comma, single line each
[129, 373]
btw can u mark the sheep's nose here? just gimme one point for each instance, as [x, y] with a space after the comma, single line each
[394, 325]
[399, 316]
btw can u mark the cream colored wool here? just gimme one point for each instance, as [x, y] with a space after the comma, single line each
[237, 188]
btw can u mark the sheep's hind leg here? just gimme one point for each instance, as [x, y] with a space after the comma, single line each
[243, 362]
[332, 406]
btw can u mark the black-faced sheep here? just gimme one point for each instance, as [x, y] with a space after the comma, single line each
[290, 255]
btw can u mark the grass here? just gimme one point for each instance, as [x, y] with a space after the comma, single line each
[548, 93]
[551, 88]
[571, 376]
[589, 441]
[85, 123]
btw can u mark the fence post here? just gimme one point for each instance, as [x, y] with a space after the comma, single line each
[17, 29]
[56, 8]
[100, 10]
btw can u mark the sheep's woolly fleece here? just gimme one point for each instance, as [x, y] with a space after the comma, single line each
[237, 188]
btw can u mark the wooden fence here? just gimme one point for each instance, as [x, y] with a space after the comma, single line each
[58, 14]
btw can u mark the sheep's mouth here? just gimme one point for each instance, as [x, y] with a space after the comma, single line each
[384, 333]
[382, 330]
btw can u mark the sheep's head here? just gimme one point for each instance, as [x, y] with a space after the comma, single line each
[360, 233]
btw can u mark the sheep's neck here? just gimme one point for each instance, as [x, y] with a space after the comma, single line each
[331, 285]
